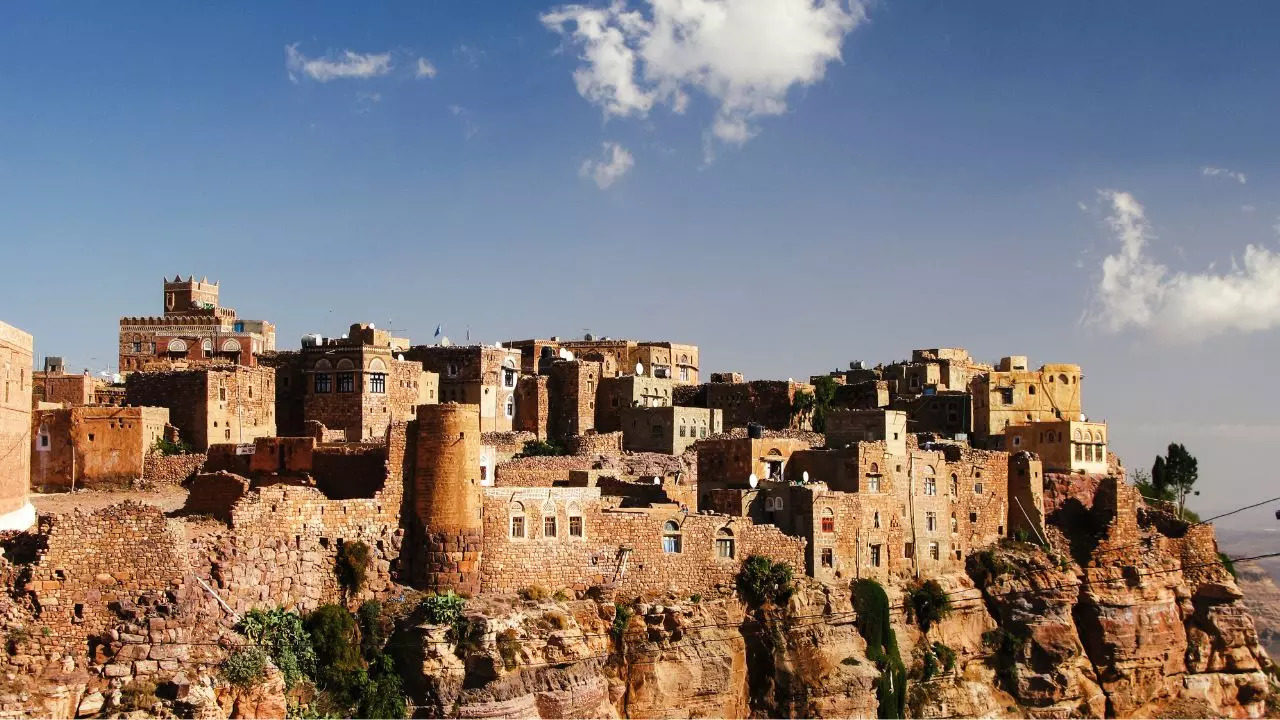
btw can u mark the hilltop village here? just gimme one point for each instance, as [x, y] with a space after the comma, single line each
[576, 465]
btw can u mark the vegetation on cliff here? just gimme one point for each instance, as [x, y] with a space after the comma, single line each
[872, 606]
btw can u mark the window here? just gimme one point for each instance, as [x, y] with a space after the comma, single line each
[682, 431]
[875, 556]
[827, 559]
[222, 394]
[377, 382]
[324, 383]
[549, 526]
[875, 469]
[828, 521]
[875, 519]
[724, 544]
[227, 433]
[346, 382]
[671, 537]
[656, 432]
[517, 520]
[973, 517]
[977, 488]
[873, 484]
[1031, 389]
[508, 378]
[930, 486]
[908, 550]
[511, 406]
[575, 526]
[933, 551]
[931, 521]
[955, 485]
[137, 347]
[684, 374]
[1006, 396]
[954, 525]
[452, 370]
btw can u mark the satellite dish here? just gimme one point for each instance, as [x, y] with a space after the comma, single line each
[639, 368]
[588, 337]
[372, 326]
[657, 480]
[752, 480]
[400, 357]
[804, 476]
[565, 354]
[444, 341]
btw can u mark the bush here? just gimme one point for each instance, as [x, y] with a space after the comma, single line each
[762, 580]
[538, 448]
[561, 596]
[372, 633]
[1230, 566]
[443, 609]
[872, 607]
[536, 593]
[621, 618]
[509, 648]
[695, 598]
[352, 565]
[557, 620]
[138, 695]
[986, 566]
[382, 692]
[929, 603]
[281, 634]
[245, 667]
[337, 648]
[167, 447]
[946, 656]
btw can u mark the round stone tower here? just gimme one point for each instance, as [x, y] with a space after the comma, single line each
[15, 429]
[447, 495]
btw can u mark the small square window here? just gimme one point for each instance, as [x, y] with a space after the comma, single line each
[827, 557]
[575, 526]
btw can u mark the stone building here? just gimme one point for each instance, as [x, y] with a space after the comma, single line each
[661, 359]
[359, 384]
[446, 495]
[571, 538]
[1013, 395]
[533, 405]
[670, 430]
[851, 426]
[571, 398]
[729, 462]
[92, 446]
[767, 402]
[1068, 446]
[16, 349]
[615, 394]
[193, 331]
[476, 375]
[54, 384]
[231, 404]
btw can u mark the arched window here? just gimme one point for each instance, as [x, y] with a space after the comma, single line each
[1077, 435]
[177, 345]
[777, 503]
[376, 365]
[955, 527]
[207, 346]
[231, 345]
[828, 520]
[511, 406]
[576, 529]
[955, 485]
[1031, 389]
[346, 364]
[724, 544]
[671, 537]
[323, 365]
[517, 520]
[549, 527]
[875, 469]
[1062, 379]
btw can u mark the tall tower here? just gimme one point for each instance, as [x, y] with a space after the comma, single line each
[182, 296]
[16, 513]
[447, 495]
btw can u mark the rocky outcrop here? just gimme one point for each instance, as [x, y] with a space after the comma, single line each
[1262, 598]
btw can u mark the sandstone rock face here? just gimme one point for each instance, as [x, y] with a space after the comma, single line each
[1262, 598]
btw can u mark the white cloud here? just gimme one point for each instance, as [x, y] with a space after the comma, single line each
[1223, 172]
[344, 65]
[615, 162]
[425, 69]
[743, 54]
[1136, 291]
[1247, 208]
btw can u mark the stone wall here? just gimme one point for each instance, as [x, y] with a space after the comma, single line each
[211, 405]
[15, 428]
[594, 443]
[214, 494]
[166, 470]
[532, 405]
[767, 402]
[565, 561]
[91, 446]
[540, 471]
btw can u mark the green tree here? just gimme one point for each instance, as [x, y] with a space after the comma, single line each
[929, 603]
[802, 407]
[824, 393]
[1174, 475]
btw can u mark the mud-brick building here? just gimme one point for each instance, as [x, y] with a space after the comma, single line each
[1014, 395]
[15, 428]
[91, 446]
[222, 404]
[670, 430]
[194, 331]
[360, 384]
[481, 375]
[54, 384]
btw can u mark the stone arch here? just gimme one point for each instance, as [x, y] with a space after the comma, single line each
[231, 345]
[323, 365]
[177, 345]
[376, 365]
[346, 364]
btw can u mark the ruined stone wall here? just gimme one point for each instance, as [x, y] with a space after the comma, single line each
[767, 402]
[539, 471]
[349, 471]
[70, 389]
[565, 561]
[595, 443]
[168, 470]
[505, 445]
[215, 494]
[291, 390]
[90, 446]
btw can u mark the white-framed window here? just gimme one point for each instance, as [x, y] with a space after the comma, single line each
[724, 544]
[933, 551]
[931, 521]
[930, 486]
[671, 542]
[511, 407]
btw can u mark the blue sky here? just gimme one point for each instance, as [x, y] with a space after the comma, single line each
[938, 184]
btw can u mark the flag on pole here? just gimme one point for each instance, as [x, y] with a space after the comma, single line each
[437, 331]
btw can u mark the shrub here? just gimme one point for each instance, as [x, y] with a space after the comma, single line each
[621, 618]
[536, 593]
[929, 603]
[986, 566]
[245, 667]
[138, 695]
[509, 648]
[561, 596]
[763, 580]
[381, 692]
[538, 448]
[337, 648]
[372, 634]
[695, 598]
[443, 609]
[166, 447]
[557, 620]
[281, 634]
[946, 656]
[352, 565]
[1230, 566]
